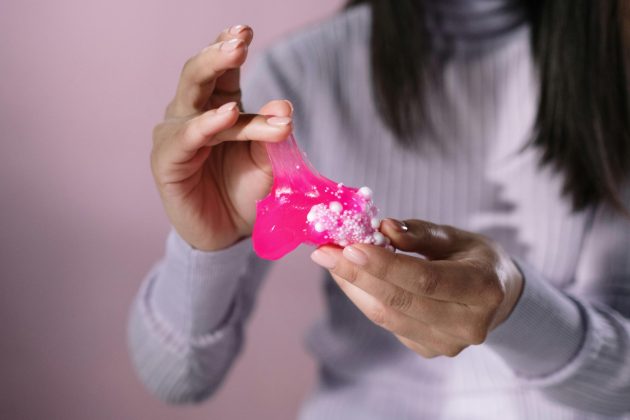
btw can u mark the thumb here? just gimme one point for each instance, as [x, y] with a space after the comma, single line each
[436, 242]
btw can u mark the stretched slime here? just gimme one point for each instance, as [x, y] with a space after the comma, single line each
[305, 207]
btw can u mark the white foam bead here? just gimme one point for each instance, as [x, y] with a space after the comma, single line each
[343, 243]
[379, 238]
[335, 206]
[365, 192]
[319, 227]
[375, 222]
[311, 214]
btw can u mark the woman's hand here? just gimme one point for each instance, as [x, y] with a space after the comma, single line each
[208, 161]
[436, 305]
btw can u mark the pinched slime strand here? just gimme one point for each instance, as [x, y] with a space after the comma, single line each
[305, 207]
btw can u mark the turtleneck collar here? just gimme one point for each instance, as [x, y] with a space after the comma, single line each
[464, 25]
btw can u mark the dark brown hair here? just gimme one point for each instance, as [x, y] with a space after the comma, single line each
[583, 122]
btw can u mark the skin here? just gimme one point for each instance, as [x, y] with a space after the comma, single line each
[459, 287]
[208, 160]
[210, 166]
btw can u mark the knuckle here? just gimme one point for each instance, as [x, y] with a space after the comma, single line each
[427, 282]
[495, 295]
[425, 353]
[190, 131]
[158, 134]
[189, 65]
[453, 351]
[383, 270]
[475, 329]
[171, 108]
[349, 273]
[378, 315]
[476, 335]
[400, 300]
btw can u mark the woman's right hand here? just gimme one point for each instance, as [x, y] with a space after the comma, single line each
[208, 159]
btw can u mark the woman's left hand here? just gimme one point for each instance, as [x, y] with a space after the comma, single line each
[461, 287]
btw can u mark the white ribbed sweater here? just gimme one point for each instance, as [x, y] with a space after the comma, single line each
[564, 353]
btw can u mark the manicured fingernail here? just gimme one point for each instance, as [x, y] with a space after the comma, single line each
[235, 30]
[323, 259]
[398, 225]
[226, 107]
[290, 106]
[279, 121]
[231, 45]
[355, 255]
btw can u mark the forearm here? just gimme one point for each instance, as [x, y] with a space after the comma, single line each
[173, 368]
[573, 352]
[193, 291]
[186, 322]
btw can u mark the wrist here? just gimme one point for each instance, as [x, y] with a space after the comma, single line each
[513, 289]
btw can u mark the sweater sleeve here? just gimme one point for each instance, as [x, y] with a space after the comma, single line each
[574, 345]
[186, 323]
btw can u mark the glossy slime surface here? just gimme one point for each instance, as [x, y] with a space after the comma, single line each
[305, 207]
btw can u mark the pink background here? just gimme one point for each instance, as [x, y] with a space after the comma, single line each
[81, 85]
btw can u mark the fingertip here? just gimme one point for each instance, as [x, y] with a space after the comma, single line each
[281, 128]
[246, 33]
[236, 29]
[277, 107]
[324, 259]
[395, 225]
[239, 31]
[391, 228]
[398, 233]
[227, 107]
[233, 45]
[212, 121]
[276, 121]
[290, 104]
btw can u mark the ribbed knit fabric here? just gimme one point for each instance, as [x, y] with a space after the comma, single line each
[564, 353]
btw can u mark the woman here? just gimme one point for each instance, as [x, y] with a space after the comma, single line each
[503, 122]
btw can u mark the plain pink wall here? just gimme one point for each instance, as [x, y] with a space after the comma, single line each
[81, 85]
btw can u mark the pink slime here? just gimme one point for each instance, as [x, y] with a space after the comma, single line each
[305, 207]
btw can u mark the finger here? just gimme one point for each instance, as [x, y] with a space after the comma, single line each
[397, 322]
[200, 73]
[437, 313]
[439, 280]
[227, 87]
[258, 151]
[280, 108]
[273, 124]
[434, 241]
[216, 126]
[177, 143]
[255, 128]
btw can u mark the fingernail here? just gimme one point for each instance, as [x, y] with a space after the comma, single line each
[279, 121]
[226, 107]
[355, 255]
[290, 106]
[323, 259]
[231, 45]
[398, 225]
[236, 29]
